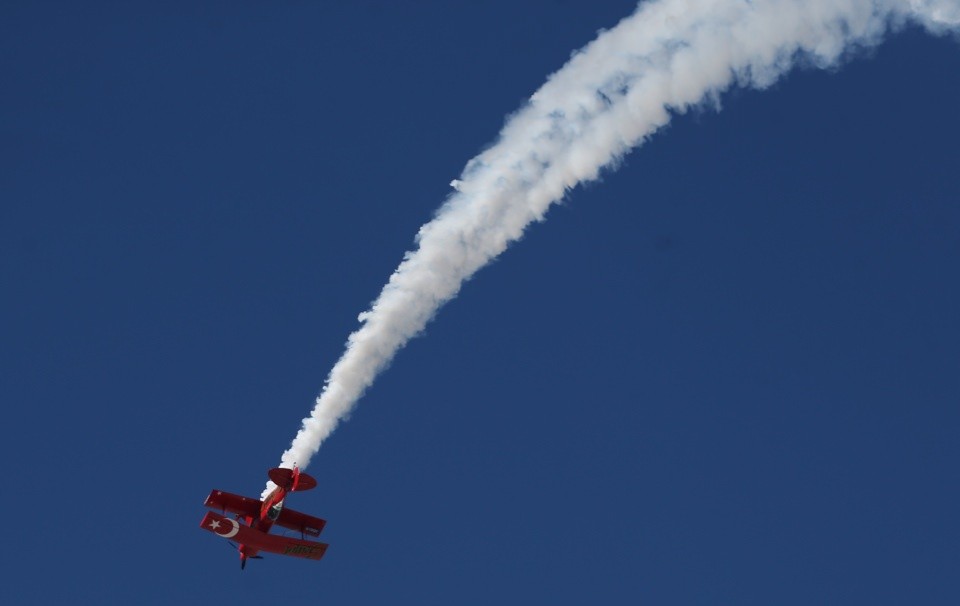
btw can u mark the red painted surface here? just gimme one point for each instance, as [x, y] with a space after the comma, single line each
[251, 524]
[253, 541]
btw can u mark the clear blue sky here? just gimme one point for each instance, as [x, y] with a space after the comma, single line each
[728, 373]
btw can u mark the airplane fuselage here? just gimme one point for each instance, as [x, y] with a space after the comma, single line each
[269, 511]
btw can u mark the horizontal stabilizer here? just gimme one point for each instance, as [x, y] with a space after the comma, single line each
[284, 477]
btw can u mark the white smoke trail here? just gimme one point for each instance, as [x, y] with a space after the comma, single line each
[666, 57]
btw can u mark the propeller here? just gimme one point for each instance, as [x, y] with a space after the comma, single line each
[244, 558]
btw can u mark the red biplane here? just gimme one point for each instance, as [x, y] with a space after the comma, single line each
[251, 525]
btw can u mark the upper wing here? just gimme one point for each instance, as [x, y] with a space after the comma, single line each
[234, 503]
[249, 507]
[241, 533]
[301, 522]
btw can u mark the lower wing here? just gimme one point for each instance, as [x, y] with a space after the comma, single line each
[232, 529]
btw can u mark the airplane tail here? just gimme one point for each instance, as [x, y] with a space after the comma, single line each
[292, 479]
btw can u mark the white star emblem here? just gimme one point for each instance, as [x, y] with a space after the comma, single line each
[214, 524]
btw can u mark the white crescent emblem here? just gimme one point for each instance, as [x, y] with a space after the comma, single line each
[236, 529]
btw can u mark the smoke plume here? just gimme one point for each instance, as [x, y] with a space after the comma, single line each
[666, 57]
